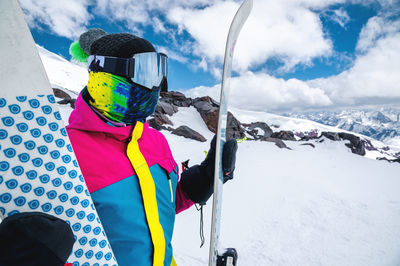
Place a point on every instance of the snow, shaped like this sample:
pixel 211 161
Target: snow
pixel 322 206
pixel 62 72
pixel 305 206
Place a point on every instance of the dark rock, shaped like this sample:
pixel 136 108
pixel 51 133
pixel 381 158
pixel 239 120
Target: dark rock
pixel 211 119
pixel 278 142
pixel 356 145
pixel 176 98
pixel 158 121
pixel 285 135
pixel 206 99
pixel 369 146
pixel 331 135
pixel 308 144
pixel 234 128
pixel 166 108
pixel 61 94
pixel 189 133
pixel 389 160
pixel 252 129
pixel 70 101
pixel 204 106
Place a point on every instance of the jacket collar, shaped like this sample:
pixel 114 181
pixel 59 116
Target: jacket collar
pixel 85 119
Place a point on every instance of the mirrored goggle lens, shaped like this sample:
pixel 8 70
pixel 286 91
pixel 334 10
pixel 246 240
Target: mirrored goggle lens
pixel 150 69
pixel 145 69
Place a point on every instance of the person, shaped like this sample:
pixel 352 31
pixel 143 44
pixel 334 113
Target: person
pixel 128 166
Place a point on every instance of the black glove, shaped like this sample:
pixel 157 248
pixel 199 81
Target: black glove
pixel 198 181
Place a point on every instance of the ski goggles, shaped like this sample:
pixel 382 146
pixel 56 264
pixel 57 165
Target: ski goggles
pixel 146 69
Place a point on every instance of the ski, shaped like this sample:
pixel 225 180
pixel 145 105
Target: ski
pixel 237 23
pixel 38 169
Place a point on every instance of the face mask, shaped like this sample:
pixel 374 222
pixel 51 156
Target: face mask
pixel 119 100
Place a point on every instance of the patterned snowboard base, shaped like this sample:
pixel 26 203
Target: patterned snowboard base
pixel 39 172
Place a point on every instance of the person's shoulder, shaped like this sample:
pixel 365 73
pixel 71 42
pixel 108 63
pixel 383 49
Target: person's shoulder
pixel 155 134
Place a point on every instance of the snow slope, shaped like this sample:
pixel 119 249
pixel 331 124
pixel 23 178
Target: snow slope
pixel 305 206
pixel 322 206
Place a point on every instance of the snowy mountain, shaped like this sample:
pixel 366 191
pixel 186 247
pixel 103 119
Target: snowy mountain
pixel 311 203
pixel 382 124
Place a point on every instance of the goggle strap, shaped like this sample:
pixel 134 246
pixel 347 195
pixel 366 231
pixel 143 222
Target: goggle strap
pixel 114 65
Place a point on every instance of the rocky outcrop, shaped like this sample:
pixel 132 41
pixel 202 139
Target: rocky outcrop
pixel 158 121
pixel 189 133
pixel 331 135
pixel 356 145
pixel 175 98
pixel 278 142
pixel 61 94
pixel 388 160
pixel 284 135
pixel 166 108
pixel 258 130
pixel 208 109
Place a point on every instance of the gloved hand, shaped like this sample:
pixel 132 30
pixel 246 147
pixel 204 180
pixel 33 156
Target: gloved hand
pixel 198 181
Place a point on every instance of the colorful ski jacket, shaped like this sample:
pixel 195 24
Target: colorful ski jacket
pixel 133 181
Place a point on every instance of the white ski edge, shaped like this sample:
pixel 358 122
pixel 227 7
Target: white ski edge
pixel 237 23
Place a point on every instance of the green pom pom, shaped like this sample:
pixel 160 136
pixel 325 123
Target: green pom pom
pixel 77 53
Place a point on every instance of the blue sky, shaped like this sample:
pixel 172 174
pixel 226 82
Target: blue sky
pixel 291 55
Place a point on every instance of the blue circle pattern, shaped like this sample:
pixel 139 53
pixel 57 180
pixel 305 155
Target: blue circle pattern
pixel 83 241
pixel 25 188
pixel 32 174
pixel 43 150
pixel 34 204
pixel 50 166
pixel 3 102
pixel 30 145
pixel 22 127
pixel 8 121
pixel 56 182
pixel 3 134
pixel 10 152
pixel 48 138
pixel 41 121
pixel 28 115
pixel 53 126
pixel 36 132
pixel 47 109
pixel 55 154
pixel 16 140
pixel 87 228
pixel 18 170
pixel 63 197
pixel 14 108
pixel 24 157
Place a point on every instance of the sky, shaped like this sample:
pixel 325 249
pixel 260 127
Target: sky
pixel 292 55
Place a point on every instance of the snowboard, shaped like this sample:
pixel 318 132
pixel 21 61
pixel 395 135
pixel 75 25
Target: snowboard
pixel 237 23
pixel 38 169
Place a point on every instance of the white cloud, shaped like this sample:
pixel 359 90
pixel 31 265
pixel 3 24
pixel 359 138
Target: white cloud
pixel 373 79
pixel 259 91
pixel 171 54
pixel 376 28
pixel 67 19
pixel 289 30
pixel 339 16
pixel 374 76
